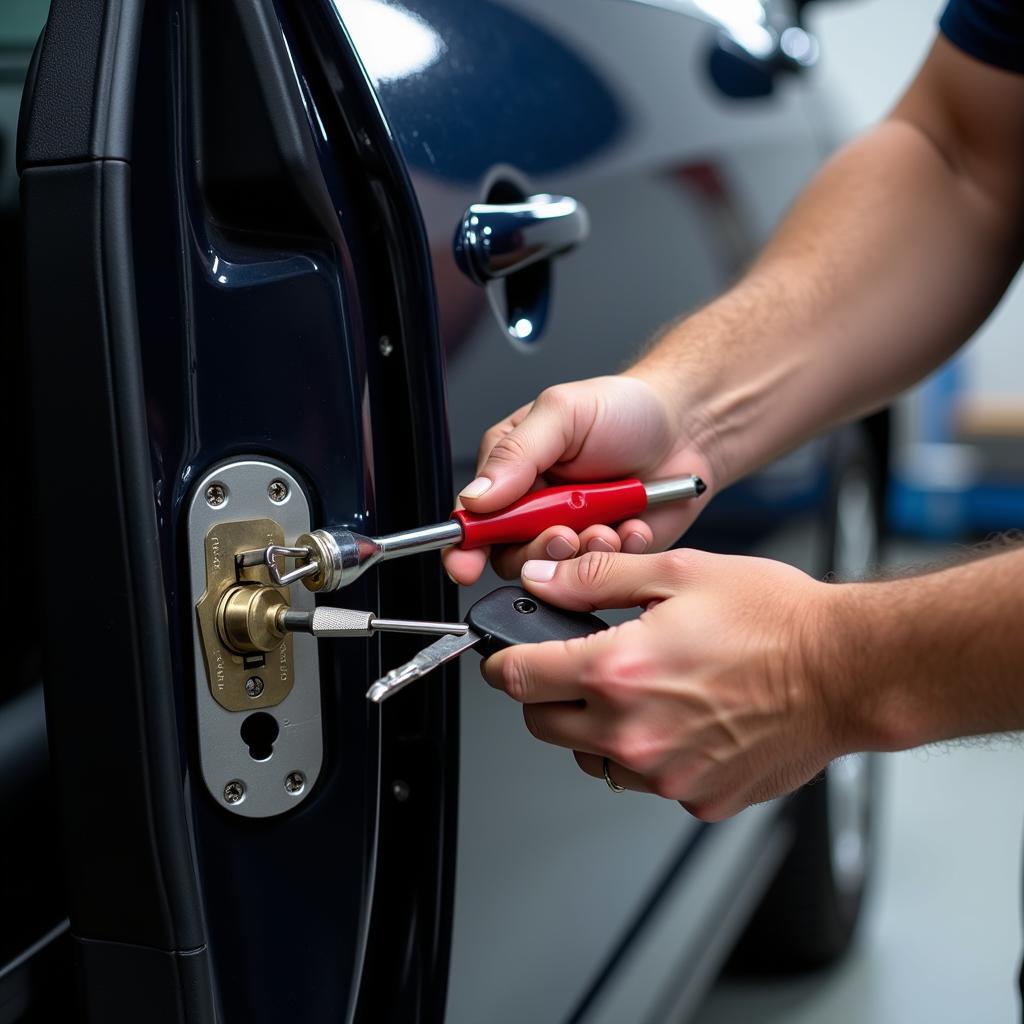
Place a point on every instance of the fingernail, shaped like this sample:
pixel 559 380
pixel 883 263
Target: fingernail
pixel 451 577
pixel 479 487
pixel 597 544
pixel 559 548
pixel 539 571
pixel 635 544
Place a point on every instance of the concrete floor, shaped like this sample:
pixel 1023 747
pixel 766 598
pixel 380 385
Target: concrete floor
pixel 941 938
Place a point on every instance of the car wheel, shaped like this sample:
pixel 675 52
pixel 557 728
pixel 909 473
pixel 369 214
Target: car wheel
pixel 808 916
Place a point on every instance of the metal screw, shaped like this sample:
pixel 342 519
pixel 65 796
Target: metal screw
pixel 295 782
pixel 216 494
pixel 524 605
pixel 234 791
pixel 400 790
pixel 254 686
pixel 278 491
pixel 386 346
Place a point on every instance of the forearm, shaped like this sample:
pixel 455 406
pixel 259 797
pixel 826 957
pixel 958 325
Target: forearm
pixel 890 259
pixel 926 658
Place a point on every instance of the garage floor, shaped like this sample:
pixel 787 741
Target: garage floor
pixel 942 937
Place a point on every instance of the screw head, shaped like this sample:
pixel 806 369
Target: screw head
pixel 386 345
pixel 254 686
pixel 278 491
pixel 400 790
pixel 295 782
pixel 216 495
pixel 234 792
pixel 524 605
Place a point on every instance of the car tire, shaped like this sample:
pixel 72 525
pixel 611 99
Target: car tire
pixel 808 917
pixel 809 914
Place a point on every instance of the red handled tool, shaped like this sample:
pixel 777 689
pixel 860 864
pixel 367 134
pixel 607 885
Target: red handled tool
pixel 332 558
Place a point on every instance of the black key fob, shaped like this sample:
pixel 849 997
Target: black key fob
pixel 509 615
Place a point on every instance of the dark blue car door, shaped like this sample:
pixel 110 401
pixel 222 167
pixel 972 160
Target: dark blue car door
pixel 230 325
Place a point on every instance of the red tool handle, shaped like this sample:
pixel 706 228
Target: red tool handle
pixel 574 505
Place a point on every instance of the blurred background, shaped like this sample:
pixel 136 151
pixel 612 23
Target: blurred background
pixel 941 937
pixel 957 460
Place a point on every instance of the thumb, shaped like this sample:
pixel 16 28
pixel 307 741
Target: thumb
pixel 603 579
pixel 517 456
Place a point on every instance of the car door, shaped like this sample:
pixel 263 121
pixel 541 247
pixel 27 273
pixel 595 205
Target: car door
pixel 230 339
pixel 684 146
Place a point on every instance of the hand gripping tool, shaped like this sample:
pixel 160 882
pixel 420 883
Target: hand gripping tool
pixel 329 559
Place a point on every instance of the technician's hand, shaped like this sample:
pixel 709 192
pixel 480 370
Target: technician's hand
pixel 591 430
pixel 716 696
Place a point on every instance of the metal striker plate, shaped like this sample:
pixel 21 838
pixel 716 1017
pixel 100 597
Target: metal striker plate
pixel 240 505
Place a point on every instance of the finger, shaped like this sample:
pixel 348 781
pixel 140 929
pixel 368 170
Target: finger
pixel 507 560
pixel 465 567
pixel 669 522
pixel 599 538
pixel 519 455
pixel 561 725
pixel 499 430
pixel 593 765
pixel 714 808
pixel 556 543
pixel 602 579
pixel 541 673
pixel 636 536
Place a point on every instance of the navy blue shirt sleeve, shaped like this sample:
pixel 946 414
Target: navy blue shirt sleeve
pixel 991 30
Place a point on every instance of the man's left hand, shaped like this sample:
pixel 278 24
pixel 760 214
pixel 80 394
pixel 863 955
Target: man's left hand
pixel 717 696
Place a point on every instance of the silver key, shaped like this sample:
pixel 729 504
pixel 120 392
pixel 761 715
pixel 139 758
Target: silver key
pixel 506 616
pixel 434 656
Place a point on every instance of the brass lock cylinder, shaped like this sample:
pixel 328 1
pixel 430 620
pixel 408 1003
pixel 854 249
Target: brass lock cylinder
pixel 249 618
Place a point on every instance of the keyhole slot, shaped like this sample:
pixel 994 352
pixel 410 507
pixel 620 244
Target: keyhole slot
pixel 259 731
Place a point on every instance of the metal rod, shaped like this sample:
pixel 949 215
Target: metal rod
pixel 426 538
pixel 673 490
pixel 340 622
pixel 296 622
pixel 414 626
pixel 246 559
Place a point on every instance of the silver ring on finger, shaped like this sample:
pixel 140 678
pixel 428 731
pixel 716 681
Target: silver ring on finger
pixel 612 784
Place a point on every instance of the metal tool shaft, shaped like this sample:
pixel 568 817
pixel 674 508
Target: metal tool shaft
pixel 426 538
pixel 674 490
pixel 340 622
pixel 417 626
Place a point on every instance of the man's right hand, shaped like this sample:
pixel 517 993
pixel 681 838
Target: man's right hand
pixel 592 430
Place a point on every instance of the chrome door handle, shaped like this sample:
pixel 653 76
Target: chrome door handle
pixel 497 239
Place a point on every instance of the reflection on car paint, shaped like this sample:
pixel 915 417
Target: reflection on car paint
pixel 496 84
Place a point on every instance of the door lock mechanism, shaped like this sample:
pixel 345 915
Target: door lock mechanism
pixel 237 619
pixel 248 618
pixel 257 689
